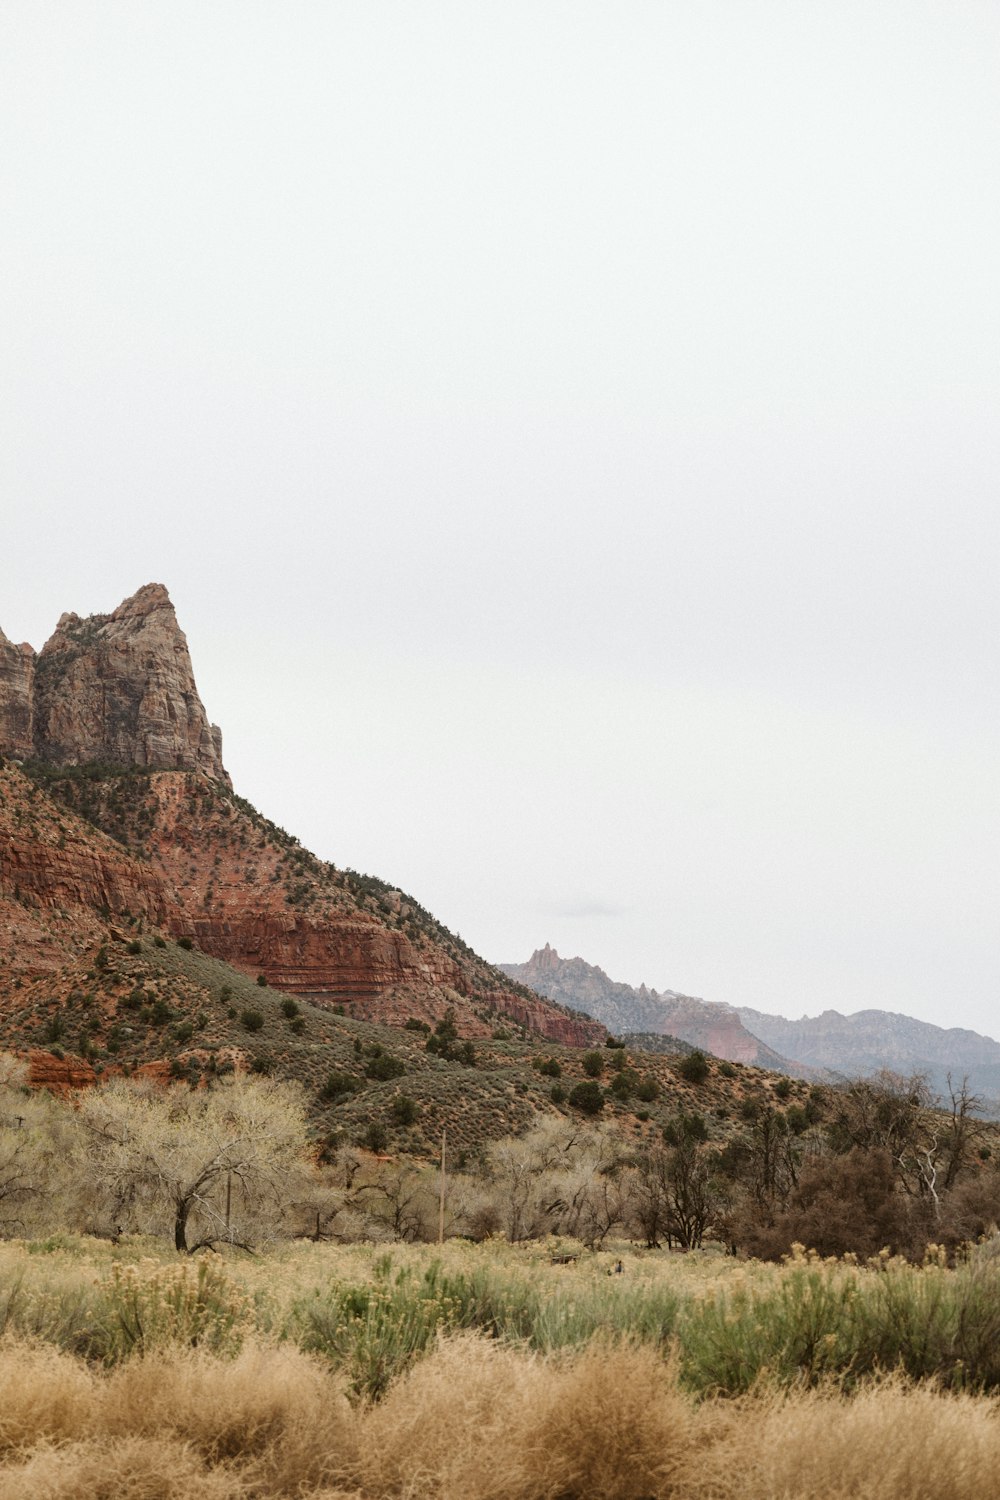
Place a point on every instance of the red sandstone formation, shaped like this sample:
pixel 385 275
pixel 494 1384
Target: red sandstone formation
pixel 188 857
pixel 60 1075
pixel 60 879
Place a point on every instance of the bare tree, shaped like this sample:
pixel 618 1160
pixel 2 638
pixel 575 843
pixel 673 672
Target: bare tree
pixel 691 1200
pixel 963 1132
pixel 399 1199
pixel 222 1161
pixel 35 1133
pixel 560 1177
pixel 650 1202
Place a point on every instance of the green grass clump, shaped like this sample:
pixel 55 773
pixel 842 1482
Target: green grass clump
pixel 729 1327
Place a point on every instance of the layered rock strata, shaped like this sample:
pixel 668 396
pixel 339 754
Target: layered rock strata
pixel 61 882
pixel 115 693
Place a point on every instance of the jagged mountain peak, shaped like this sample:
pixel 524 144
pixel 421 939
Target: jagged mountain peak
pixel 114 688
pixel 583 986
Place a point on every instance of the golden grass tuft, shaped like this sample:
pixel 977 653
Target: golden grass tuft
pixel 480 1421
pixel 281 1414
pixel 450 1426
pixel 44 1396
pixel 272 1419
pixel 135 1468
pixel 476 1419
pixel 613 1426
pixel 889 1441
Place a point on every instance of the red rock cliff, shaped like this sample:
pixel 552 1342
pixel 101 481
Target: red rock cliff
pixel 59 880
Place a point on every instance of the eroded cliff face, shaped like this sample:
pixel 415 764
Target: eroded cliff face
pixel 117 689
pixel 61 882
pixel 199 862
pixel 17 674
pixel 260 902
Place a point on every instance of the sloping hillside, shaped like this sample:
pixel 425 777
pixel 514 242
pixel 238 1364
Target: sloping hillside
pixel 118 806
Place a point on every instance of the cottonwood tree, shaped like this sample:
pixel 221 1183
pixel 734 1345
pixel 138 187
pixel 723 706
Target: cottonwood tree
pixel 842 1203
pixel 929 1147
pixel 589 1190
pixel 559 1177
pixel 963 1134
pixel 519 1193
pixel 650 1200
pixel 398 1200
pixel 35 1133
pixel 885 1112
pixel 326 1205
pixel 221 1163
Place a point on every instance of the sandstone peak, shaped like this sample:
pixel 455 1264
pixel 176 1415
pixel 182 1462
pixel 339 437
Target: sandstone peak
pixel 545 958
pixel 116 688
pixel 150 597
pixel 623 1009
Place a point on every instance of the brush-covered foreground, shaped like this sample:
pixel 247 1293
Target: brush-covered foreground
pixel 490 1371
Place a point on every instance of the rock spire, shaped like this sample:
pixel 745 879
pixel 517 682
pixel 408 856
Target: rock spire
pixel 115 688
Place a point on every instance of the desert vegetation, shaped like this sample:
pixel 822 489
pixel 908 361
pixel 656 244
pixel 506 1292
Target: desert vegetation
pixel 199 1297
pixel 354 1371
pixel 218 1157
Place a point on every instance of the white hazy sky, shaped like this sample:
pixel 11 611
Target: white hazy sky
pixel 569 434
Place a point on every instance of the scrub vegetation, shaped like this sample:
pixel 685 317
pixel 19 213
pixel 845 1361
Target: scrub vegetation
pixel 199 1296
pixel 328 1371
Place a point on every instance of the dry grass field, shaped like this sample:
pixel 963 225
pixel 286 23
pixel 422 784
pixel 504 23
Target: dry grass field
pixel 491 1373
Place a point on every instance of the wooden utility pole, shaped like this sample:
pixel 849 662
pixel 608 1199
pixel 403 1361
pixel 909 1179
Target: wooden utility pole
pixel 444 1134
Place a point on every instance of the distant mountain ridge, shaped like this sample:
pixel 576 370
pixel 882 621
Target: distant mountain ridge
pixel 873 1039
pixel 715 1027
pixel 811 1047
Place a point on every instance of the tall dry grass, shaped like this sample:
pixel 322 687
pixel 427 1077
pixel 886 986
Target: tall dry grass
pixel 480 1420
pixel 270 1421
pixel 487 1373
pixel 476 1419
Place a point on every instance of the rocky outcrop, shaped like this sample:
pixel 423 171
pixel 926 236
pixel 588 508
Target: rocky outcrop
pixel 116 689
pixel 556 1025
pixel 17 672
pixel 713 1027
pixel 64 1075
pixel 79 873
pixel 60 1075
pixel 342 958
pixel 249 895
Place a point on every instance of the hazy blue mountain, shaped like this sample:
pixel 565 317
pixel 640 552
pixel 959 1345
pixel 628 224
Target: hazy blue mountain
pixel 872 1039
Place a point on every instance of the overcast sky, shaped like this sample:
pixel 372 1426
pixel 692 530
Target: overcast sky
pixel 569 435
